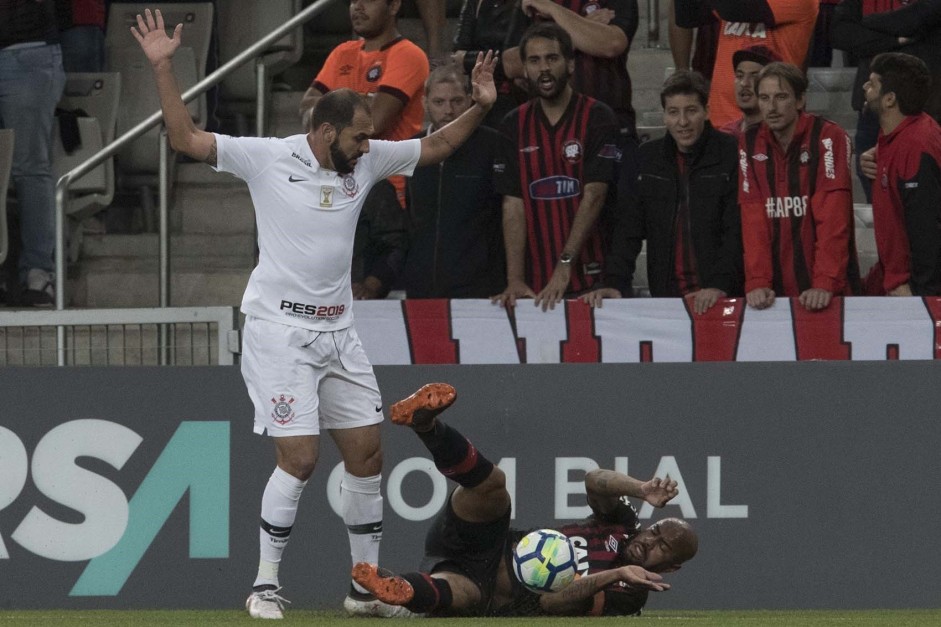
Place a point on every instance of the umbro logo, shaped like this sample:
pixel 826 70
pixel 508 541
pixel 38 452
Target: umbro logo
pixel 294 179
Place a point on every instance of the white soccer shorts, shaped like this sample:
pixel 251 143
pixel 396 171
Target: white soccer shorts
pixel 301 381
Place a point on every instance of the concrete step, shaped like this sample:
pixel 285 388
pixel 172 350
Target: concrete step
pixel 124 282
pixel 213 209
pixel 238 247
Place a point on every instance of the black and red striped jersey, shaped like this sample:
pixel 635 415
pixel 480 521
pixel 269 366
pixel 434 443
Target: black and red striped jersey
pixel 599 545
pixel 604 79
pixel 797 209
pixel 548 166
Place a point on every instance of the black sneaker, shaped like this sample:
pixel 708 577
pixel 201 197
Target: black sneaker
pixel 40 291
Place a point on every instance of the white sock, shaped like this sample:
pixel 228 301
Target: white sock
pixel 361 509
pixel 278 511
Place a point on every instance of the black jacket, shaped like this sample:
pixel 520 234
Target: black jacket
pixel 647 211
pixel 865 36
pixel 455 224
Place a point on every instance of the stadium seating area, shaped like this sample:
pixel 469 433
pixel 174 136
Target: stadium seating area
pixel 113 255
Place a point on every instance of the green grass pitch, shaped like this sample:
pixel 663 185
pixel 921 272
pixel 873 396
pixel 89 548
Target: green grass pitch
pixel 808 618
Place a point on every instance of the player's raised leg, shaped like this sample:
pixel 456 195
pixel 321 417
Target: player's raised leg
pixel 481 498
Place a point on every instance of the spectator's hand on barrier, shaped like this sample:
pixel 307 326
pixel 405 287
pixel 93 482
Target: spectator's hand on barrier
pixel 637 576
pixel 905 289
pixel 595 298
pixel 815 299
pixel 659 491
pixel 867 163
pixel 760 298
pixel 704 299
pixel 556 288
pixel 514 291
pixel 484 89
pixel 368 289
pixel 151 34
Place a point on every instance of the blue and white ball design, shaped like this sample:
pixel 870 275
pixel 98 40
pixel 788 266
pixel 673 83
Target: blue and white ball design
pixel 544 561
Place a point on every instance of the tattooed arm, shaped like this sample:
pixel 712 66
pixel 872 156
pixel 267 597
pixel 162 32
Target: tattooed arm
pixel 606 487
pixel 579 597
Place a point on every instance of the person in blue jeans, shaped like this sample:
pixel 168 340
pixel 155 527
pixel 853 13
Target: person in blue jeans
pixel 31 83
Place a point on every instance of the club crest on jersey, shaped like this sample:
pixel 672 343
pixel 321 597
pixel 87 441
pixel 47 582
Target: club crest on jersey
pixel 282 413
pixel 374 73
pixel 885 180
pixel 326 196
pixel 572 151
pixel 554 188
pixel 805 156
pixel 350 186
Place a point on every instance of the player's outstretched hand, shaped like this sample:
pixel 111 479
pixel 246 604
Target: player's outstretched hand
pixel 151 34
pixel 637 576
pixel 659 491
pixel 485 92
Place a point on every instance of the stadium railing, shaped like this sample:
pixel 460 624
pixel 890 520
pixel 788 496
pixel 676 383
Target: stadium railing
pixel 179 336
pixel 254 52
pixel 6 164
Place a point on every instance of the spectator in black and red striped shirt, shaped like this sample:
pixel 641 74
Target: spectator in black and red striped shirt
pixel 560 158
pixel 684 204
pixel 796 199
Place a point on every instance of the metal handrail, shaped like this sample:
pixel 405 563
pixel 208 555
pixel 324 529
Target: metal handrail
pixel 258 49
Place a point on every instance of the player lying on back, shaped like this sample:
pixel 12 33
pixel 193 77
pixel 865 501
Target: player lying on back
pixel 467 565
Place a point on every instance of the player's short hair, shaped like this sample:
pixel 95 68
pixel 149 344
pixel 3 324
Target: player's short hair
pixel 787 72
pixel 686 83
pixel 906 76
pixel 449 73
pixel 337 108
pixel 552 32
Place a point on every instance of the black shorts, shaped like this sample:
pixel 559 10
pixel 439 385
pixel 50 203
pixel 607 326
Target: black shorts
pixel 466 548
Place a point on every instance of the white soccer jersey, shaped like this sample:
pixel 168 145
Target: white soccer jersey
pixel 306 217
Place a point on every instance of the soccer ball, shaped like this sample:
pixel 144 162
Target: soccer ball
pixel 544 561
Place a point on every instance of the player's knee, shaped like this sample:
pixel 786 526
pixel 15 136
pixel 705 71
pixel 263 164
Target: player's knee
pixel 495 486
pixel 298 464
pixel 365 464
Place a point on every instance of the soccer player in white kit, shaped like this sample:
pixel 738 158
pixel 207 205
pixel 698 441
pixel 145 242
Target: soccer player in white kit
pixel 302 361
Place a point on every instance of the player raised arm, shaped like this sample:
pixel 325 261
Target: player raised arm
pixel 606 487
pixel 440 144
pixel 151 34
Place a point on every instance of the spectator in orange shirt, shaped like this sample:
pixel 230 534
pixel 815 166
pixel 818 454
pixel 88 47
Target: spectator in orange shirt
pixel 785 26
pixel 384 66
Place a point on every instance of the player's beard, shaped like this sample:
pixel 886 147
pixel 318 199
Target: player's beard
pixel 341 163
